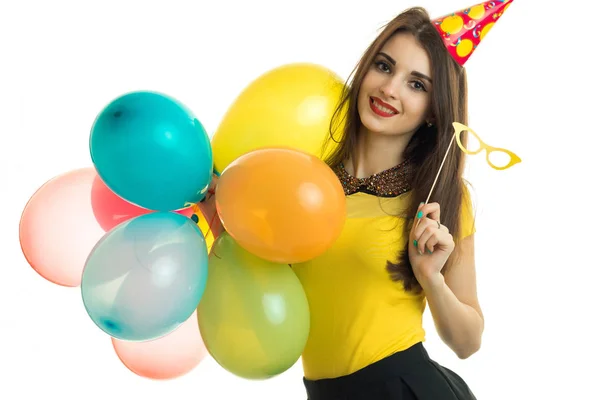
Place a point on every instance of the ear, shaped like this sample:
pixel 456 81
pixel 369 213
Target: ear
pixel 430 122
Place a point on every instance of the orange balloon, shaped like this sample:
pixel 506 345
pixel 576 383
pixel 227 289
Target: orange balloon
pixel 168 357
pixel 281 204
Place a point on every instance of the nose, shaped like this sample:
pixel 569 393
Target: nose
pixel 390 89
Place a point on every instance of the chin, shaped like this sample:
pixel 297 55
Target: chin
pixel 379 132
pixel 375 126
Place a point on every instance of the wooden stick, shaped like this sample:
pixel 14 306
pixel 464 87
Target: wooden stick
pixel 439 170
pixel 437 175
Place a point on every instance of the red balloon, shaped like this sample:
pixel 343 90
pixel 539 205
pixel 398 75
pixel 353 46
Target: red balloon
pixel 168 357
pixel 110 209
pixel 58 228
pixel 65 218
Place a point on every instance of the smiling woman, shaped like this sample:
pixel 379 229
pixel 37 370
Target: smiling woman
pixel 367 292
pixel 400 74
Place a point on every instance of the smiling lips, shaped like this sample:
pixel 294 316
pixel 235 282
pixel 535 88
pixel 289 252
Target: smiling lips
pixel 381 108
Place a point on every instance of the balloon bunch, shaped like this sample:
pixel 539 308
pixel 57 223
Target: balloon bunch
pixel 129 231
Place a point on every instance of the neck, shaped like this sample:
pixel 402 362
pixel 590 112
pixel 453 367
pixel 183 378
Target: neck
pixel 376 153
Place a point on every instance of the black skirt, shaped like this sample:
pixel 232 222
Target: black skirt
pixel 406 375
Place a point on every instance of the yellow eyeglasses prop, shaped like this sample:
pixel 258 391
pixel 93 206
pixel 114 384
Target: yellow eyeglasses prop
pixel 512 157
pixel 480 145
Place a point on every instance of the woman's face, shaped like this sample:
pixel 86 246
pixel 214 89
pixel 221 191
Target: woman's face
pixel 395 94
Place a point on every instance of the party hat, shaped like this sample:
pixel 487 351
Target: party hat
pixel 463 30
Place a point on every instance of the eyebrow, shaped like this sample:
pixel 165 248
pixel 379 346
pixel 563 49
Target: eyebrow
pixel 393 62
pixel 420 75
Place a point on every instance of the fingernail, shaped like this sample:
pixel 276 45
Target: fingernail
pixel 422 203
pixel 415 243
pixel 420 214
pixel 429 251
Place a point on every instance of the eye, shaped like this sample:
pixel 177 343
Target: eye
pixel 382 66
pixel 418 85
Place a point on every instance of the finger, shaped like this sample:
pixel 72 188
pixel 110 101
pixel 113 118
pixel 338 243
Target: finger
pixel 431 211
pixel 417 220
pixel 440 240
pixel 424 223
pixel 438 225
pixel 210 191
pixel 429 245
pixel 429 234
pixel 214 180
pixel 206 196
pixel 213 183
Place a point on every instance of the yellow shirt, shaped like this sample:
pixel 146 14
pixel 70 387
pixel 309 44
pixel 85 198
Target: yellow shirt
pixel 358 314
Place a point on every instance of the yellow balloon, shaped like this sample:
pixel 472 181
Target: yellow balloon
pixel 289 106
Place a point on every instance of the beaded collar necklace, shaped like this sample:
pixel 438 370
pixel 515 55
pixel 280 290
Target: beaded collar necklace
pixel 389 183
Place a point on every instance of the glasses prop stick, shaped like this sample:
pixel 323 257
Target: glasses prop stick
pixel 458 128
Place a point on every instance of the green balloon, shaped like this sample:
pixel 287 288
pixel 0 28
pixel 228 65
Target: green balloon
pixel 253 316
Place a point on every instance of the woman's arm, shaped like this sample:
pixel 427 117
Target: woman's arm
pixel 454 304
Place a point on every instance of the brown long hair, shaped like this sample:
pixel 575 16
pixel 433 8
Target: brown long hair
pixel 429 144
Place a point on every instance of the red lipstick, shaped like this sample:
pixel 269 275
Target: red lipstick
pixel 375 104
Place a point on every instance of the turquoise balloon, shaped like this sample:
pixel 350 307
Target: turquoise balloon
pixel 145 277
pixel 152 151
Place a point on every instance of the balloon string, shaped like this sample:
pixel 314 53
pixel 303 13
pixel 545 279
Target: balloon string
pixel 212 220
pixel 210 225
pixel 196 209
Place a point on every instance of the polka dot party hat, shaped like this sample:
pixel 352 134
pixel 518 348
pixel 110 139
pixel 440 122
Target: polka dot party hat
pixel 463 30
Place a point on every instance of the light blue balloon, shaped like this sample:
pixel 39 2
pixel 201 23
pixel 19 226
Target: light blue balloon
pixel 152 151
pixel 146 277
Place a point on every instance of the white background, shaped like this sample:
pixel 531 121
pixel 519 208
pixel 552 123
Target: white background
pixel 533 89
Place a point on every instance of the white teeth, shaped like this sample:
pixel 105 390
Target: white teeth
pixel 382 108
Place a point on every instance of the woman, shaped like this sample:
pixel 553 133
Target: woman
pixel 367 293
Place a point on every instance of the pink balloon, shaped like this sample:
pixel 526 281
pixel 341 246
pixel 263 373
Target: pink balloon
pixel 110 209
pixel 65 218
pixel 58 228
pixel 168 357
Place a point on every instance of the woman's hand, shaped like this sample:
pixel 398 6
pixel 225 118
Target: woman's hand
pixel 430 245
pixel 209 208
